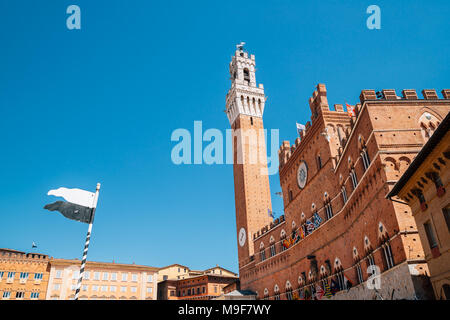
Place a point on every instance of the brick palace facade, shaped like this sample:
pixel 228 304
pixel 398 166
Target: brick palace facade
pixel 338 229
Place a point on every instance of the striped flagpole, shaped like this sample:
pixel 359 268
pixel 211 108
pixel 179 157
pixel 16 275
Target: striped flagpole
pixel 86 245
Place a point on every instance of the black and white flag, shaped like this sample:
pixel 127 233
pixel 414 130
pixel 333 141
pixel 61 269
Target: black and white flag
pixel 79 205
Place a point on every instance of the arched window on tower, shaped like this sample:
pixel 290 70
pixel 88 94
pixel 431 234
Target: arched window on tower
pixel 246 75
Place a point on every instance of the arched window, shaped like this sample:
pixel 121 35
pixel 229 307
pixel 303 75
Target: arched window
pixel 353 178
pixel 319 162
pixel 273 250
pixel 328 206
pixel 301 281
pixel 344 194
pixel 262 251
pixel 288 290
pixel 266 294
pixel 246 75
pixel 339 274
pixel 357 265
pixel 365 158
pixel 282 238
pixel 388 258
pixel 276 291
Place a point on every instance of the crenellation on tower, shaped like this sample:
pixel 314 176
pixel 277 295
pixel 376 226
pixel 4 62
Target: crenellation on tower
pixel 284 152
pixel 318 102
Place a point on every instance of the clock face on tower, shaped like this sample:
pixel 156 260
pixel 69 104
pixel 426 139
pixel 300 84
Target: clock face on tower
pixel 302 174
pixel 242 237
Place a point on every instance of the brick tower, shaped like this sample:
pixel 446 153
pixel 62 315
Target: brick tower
pixel 244 108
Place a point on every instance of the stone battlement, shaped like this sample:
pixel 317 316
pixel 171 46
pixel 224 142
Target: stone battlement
pixel 407 94
pixel 269 227
pixel 22 256
pixel 318 104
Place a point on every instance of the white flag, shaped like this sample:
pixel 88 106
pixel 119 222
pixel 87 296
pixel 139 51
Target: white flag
pixel 77 196
pixel 300 126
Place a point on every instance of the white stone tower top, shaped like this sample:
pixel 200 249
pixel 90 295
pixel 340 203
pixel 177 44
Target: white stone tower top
pixel 244 96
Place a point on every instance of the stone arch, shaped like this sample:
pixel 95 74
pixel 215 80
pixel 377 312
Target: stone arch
pixel 294 225
pixel 271 240
pixel 282 234
pixel 391 163
pixel 403 163
pixel 261 245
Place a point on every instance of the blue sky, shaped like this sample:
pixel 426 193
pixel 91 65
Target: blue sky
pixel 99 105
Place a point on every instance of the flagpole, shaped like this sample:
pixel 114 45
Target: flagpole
pixel 86 245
